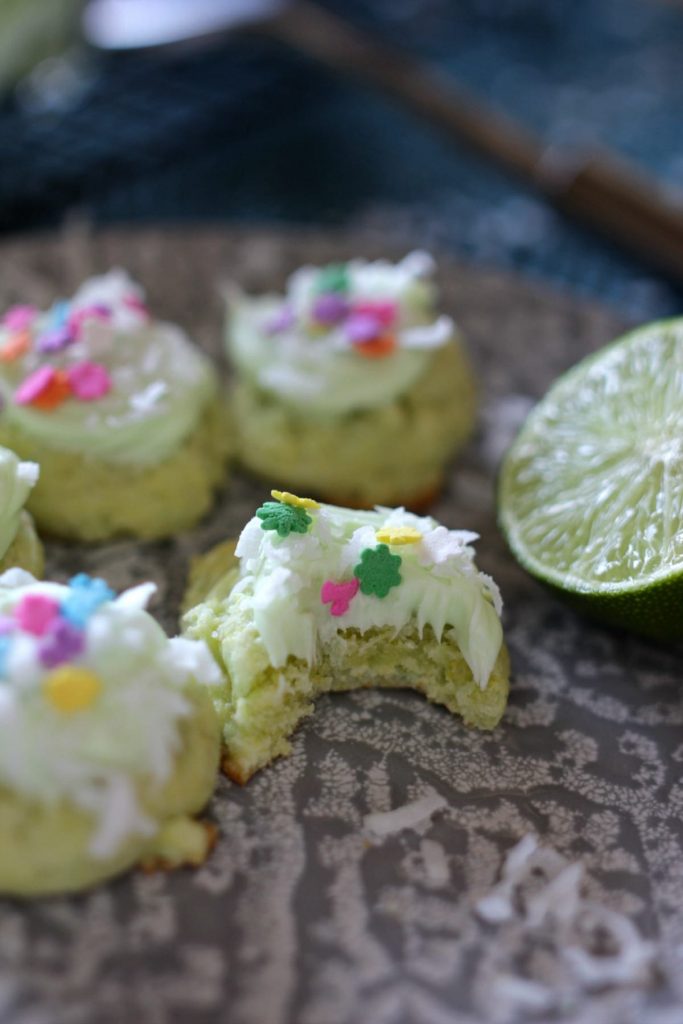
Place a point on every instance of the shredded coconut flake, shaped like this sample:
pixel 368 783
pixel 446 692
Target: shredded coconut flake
pixel 96 760
pixel 435 863
pixel 538 907
pixel 384 823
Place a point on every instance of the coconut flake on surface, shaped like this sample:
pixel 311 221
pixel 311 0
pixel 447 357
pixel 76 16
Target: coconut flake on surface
pixel 541 916
pixel 384 823
pixel 435 863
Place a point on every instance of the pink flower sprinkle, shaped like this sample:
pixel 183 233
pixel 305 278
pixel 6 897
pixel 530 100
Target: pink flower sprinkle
pixel 89 381
pixel 18 318
pixel 339 595
pixel 384 312
pixel 136 303
pixel 79 316
pixel 35 385
pixel 35 613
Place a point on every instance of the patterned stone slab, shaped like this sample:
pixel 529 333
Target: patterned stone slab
pixel 299 917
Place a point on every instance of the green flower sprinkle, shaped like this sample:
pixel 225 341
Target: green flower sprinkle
pixel 378 570
pixel 285 519
pixel 333 278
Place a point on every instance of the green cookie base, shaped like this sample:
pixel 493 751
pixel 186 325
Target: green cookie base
pixel 25 551
pixel 258 721
pixel 87 499
pixel 391 455
pixel 44 850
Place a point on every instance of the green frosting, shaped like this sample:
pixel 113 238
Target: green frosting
pixel 430 582
pixel 318 369
pixel 16 480
pixel 161 383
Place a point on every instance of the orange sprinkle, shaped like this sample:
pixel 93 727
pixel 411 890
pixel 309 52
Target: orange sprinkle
pixel 377 348
pixel 57 391
pixel 16 345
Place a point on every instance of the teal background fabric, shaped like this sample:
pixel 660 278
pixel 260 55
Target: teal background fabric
pixel 246 131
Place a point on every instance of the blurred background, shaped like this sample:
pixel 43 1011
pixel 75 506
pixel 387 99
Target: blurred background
pixel 236 127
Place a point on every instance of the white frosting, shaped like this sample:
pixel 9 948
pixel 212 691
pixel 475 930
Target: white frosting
pixel 318 368
pixel 17 479
pixel 440 585
pixel 95 757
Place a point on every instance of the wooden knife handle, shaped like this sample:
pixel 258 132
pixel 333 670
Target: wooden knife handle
pixel 599 189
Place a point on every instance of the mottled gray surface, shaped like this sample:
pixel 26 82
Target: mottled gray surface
pixel 299 918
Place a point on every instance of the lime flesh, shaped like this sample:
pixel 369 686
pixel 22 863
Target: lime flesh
pixel 591 492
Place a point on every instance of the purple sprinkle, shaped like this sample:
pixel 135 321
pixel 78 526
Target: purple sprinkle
pixel 363 327
pixel 7 625
pixel 63 644
pixel 55 340
pixel 330 308
pixel 280 321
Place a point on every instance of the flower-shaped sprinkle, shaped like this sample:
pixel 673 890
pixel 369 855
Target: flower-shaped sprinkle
pixel 63 643
pixel 59 314
pixel 45 388
pixel 376 348
pixel 339 595
pixel 135 303
pixel 17 345
pixel 384 312
pixel 5 647
pixel 71 688
pixel 35 613
pixel 291 499
pixel 284 519
pixel 56 339
pixel 333 278
pixel 368 325
pixel 329 309
pixel 97 311
pixel 398 535
pixel 18 318
pixel 378 571
pixel 89 381
pixel 362 327
pixel 85 597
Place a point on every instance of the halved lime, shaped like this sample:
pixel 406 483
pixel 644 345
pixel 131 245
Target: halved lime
pixel 591 492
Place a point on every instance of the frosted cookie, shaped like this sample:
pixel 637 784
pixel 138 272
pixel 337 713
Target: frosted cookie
pixel 122 412
pixel 351 386
pixel 315 598
pixel 109 741
pixel 19 543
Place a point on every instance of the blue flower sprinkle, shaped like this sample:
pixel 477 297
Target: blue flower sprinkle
pixel 5 645
pixel 86 595
pixel 59 314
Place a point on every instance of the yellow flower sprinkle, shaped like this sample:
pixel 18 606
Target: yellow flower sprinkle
pixel 70 688
pixel 398 535
pixel 291 499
